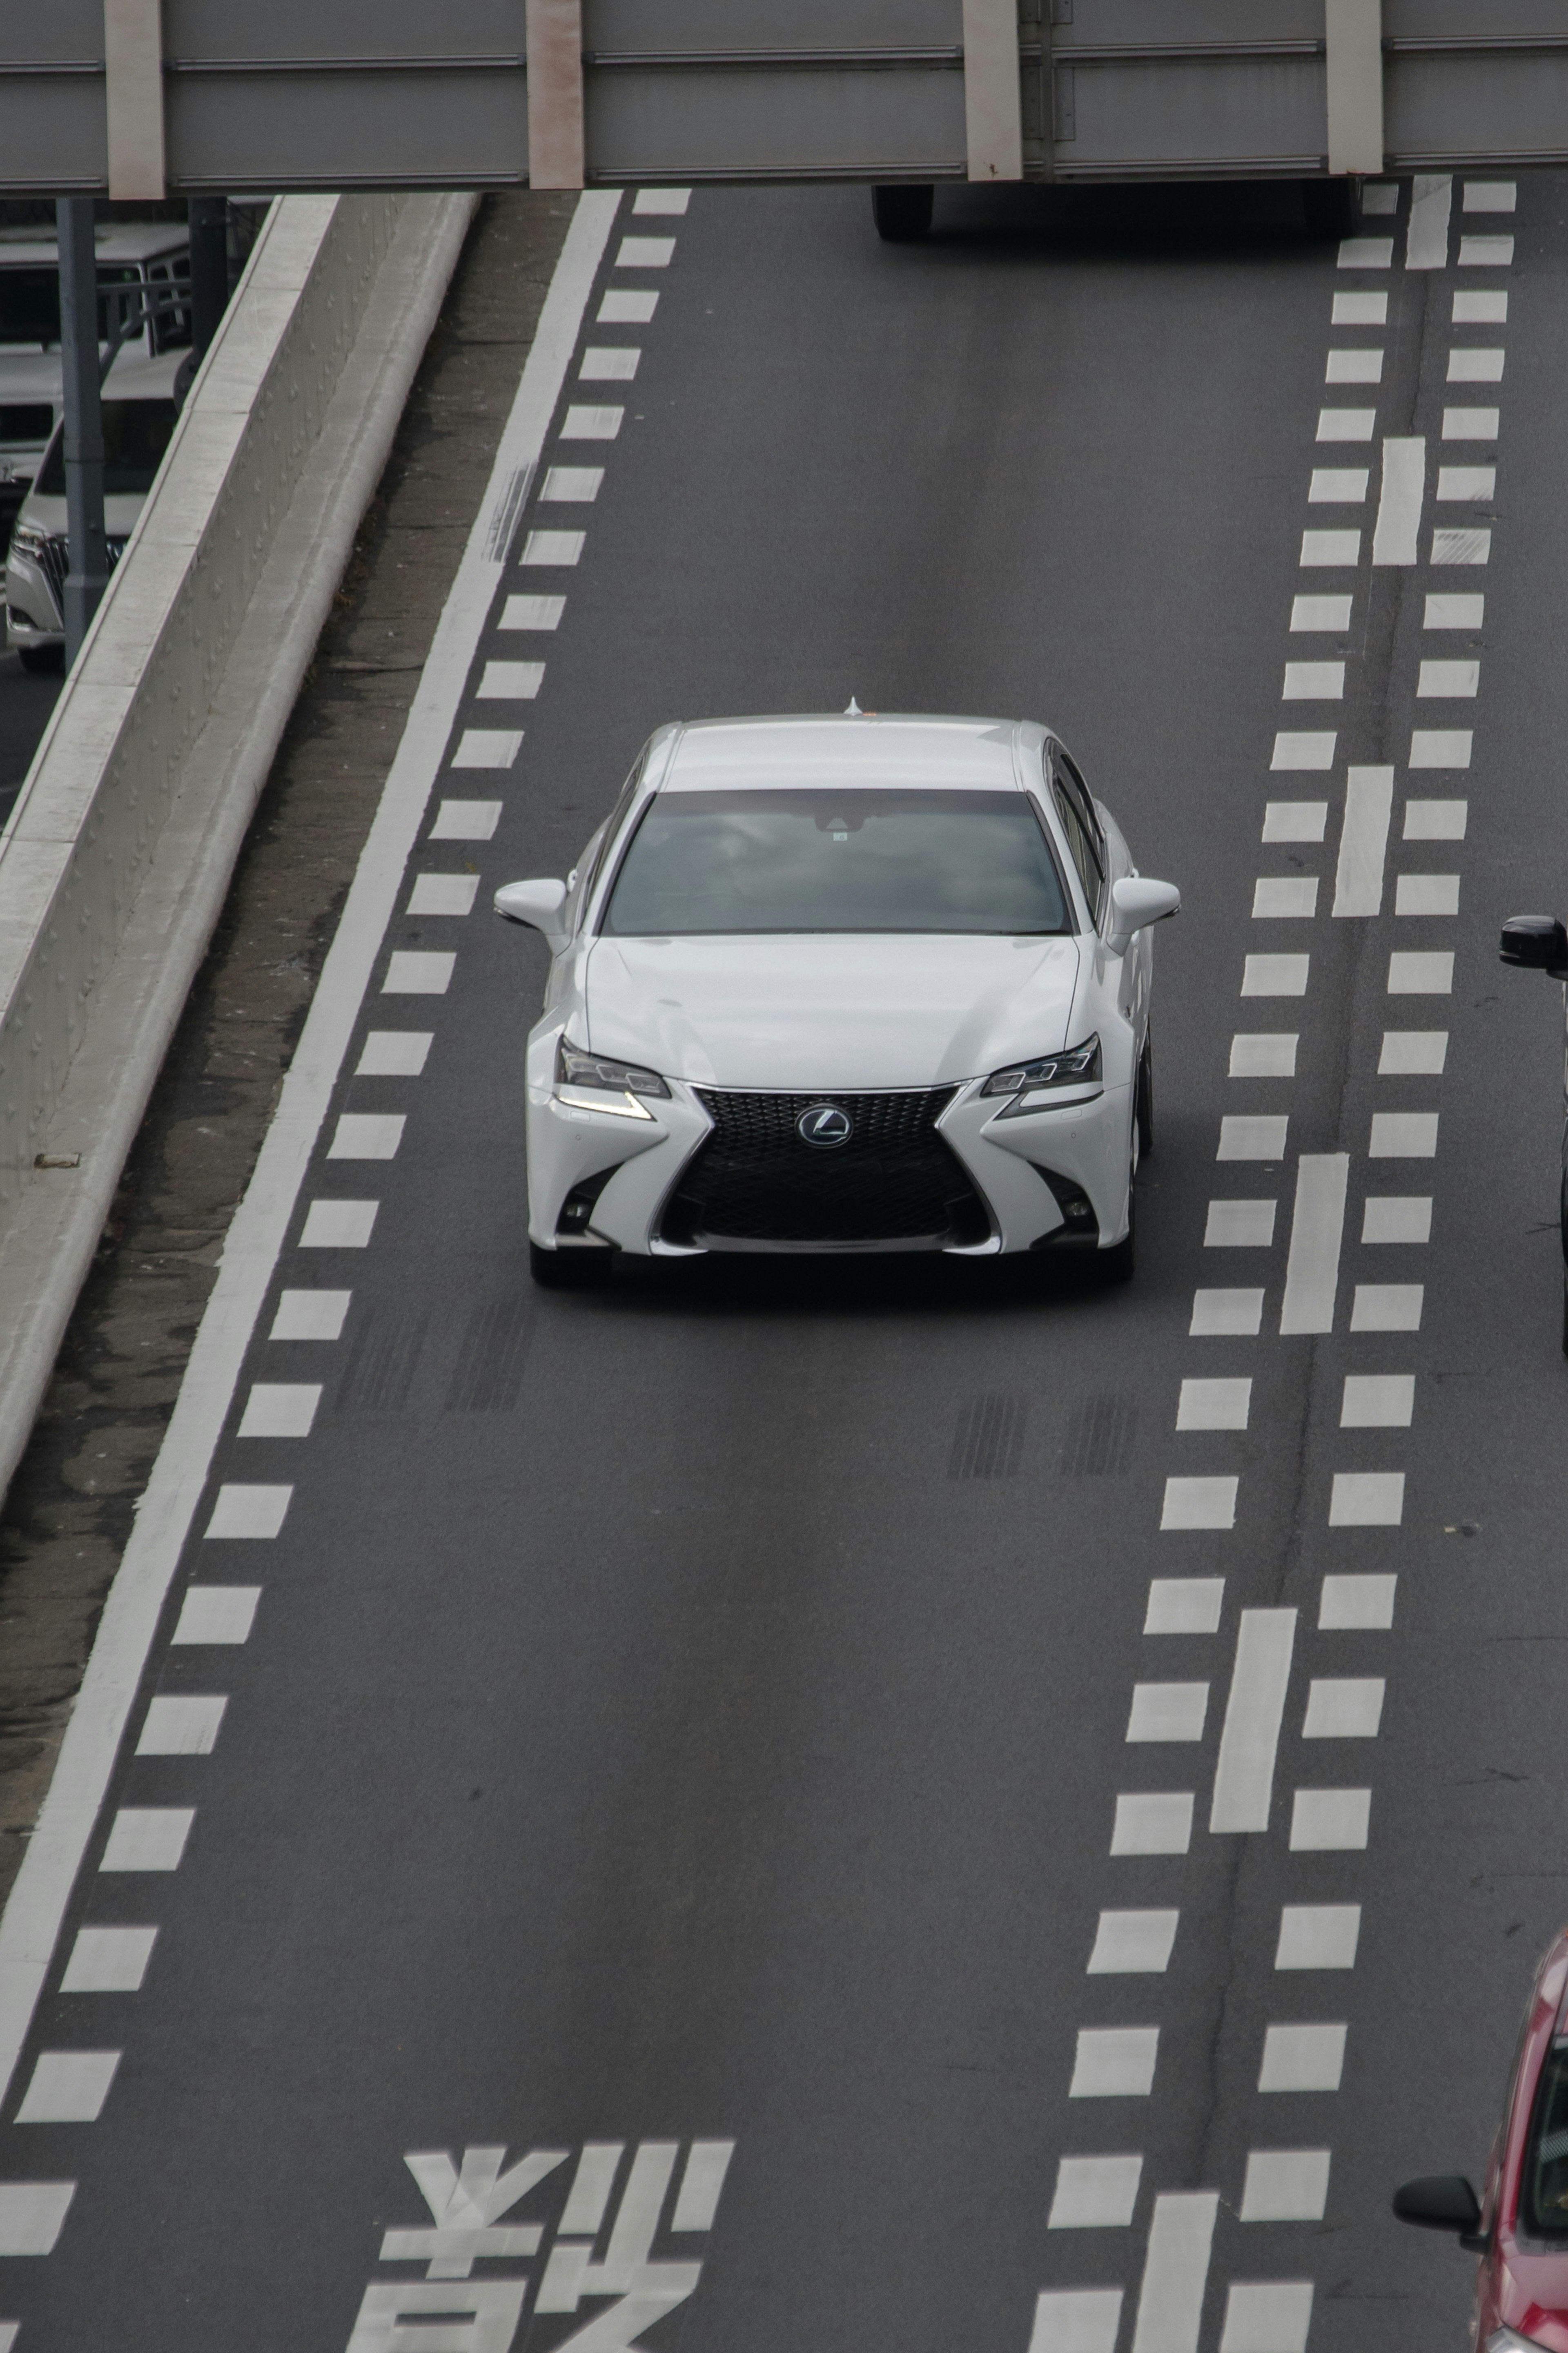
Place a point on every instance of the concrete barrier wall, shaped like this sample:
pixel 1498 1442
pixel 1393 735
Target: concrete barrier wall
pixel 115 862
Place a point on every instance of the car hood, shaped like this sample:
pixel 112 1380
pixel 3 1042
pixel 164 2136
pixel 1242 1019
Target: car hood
pixel 829 1010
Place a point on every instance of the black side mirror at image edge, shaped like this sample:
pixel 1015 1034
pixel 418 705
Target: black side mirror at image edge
pixel 1443 2201
pixel 1537 944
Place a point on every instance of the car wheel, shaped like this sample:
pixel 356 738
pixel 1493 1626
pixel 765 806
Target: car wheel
pixel 1146 1098
pixel 902 213
pixel 567 1269
pixel 42 660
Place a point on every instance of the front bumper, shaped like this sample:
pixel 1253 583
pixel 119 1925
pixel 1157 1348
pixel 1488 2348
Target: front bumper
pixel 605 1180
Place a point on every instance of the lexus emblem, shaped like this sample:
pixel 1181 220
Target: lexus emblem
pixel 824 1124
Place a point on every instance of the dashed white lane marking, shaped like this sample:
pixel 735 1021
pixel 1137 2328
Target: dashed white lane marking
pixel 1133 1945
pixel 1366 253
pixel 1337 486
pixel 1268 2316
pixel 610 363
pixel 466 821
pixel 1464 482
pixel 645 253
pixel 1347 1707
pixel 1386 1307
pixel 337 1225
pixel 1175 2272
pixel 1490 195
pixel 1468 366
pixel 1452 681
pixel 1275 976
pixel 1358 367
pixel 32 2216
pixel 1294 749
pixel 553 549
pixel 1114 2062
pixel 1435 820
pixel 1244 1774
pixel 148 1838
pixel 1346 424
pixel 109 1960
pixel 1095 2193
pixel 418 972
pixel 1317 1229
pixel 1295 821
pixel 1329 1821
pixel 280 1410
pixel 1074 2320
pixel 1263 1054
pixel 1440 747
pixel 1485 252
pixel 1302 2059
pixel 1213 1405
pixel 1252 1135
pixel 310 1316
pixel 1284 896
pixel 366 1135
pixel 216 1614
pixel 592 423
pixel 1472 545
pixel 1427 972
pixel 68 2087
pixel 572 486
pixel 1426 895
pixel 1363 841
pixel 1199 1503
pixel 1403 487
pixel 626 306
pixel 531 612
pixel 1240 1225
pixel 443 895
pixel 1285 2185
pixel 1314 681
pixel 1168 1711
pixel 181 1724
pixel 1454 612
pixel 488 747
pixel 1392 1219
pixel 1404 1135
pixel 254 1513
pixel 510 682
pixel 661 200
pixel 1471 424
pixel 1426 233
pixel 1357 1605
pixel 1413 1053
pixel 1367 1499
pixel 1185 1605
pixel 1330 550
pixel 1318 1936
pixel 1153 1822
pixel 1225 1314
pixel 1370 309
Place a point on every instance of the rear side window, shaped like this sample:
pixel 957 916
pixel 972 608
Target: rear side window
pixel 1543 2188
pixel 1081 827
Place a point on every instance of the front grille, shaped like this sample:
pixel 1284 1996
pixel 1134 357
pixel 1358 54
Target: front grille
pixel 756 1185
pixel 53 562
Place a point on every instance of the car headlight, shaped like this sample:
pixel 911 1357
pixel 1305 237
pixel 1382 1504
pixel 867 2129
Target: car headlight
pixel 28 540
pixel 591 1082
pixel 1509 2340
pixel 1079 1066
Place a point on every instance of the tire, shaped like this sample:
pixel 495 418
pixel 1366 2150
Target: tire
pixel 902 213
pixel 568 1270
pixel 1117 1263
pixel 1145 1099
pixel 1333 206
pixel 42 660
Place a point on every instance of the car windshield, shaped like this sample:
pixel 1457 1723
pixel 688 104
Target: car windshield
pixel 1543 2189
pixel 30 302
pixel 135 435
pixel 822 860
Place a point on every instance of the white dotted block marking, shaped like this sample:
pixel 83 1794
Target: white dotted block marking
pixel 1449 681
pixel 545 548
pixel 1435 820
pixel 1294 750
pixel 1348 1707
pixel 494 747
pixel 1254 1136
pixel 1263 1054
pixel 1421 974
pixel 1485 252
pixel 661 200
pixel 1366 253
pixel 528 613
pixel 1114 2062
pixel 1160 1822
pixel 1358 367
pixel 1329 1821
pixel 254 1511
pixel 1302 2059
pixel 1440 747
pixel 1095 2193
pixel 337 1225
pixel 1314 681
pixel 1472 366
pixel 1369 309
pixel 1426 895
pixel 1240 1225
pixel 1295 820
pixel 1268 2316
pixel 280 1410
pixel 645 253
pixel 1275 976
pixel 1466 483
pixel 1185 1605
pixel 216 1613
pixel 1075 2320
pixel 610 363
pixel 626 306
pixel 1337 425
pixel 1378 1401
pixel 443 895
pixel 1469 423
pixel 1358 1605
pixel 1225 1314
pixel 1391 1218
pixel 1332 486
pixel 590 424
pixel 1134 1943
pixel 1404 1135
pixel 1472 545
pixel 417 972
pixel 570 486
pixel 32 2214
pixel 310 1316
pixel 1284 897
pixel 1386 1307
pixel 1199 1503
pixel 1367 1499
pixel 180 1725
pixel 1168 1711
pixel 1285 2185
pixel 1454 612
pixel 1318 1936
pixel 1490 195
pixel 510 682
pixel 68 2087
pixel 1330 551
pixel 109 1960
pixel 1213 1405
pixel 1412 1054
pixel 366 1135
pixel 148 1838
pixel 401 1053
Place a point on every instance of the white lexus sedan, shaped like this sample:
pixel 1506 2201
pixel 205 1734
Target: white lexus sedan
pixel 837 985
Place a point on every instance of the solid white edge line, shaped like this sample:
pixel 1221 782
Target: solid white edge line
pixel 30 1927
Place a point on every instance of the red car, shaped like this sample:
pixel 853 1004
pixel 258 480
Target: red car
pixel 1519 2228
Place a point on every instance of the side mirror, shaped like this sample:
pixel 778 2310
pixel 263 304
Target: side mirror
pixel 538 905
pixel 1135 904
pixel 1443 2201
pixel 1538 943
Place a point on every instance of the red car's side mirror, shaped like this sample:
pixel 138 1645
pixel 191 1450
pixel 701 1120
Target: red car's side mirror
pixel 1443 2202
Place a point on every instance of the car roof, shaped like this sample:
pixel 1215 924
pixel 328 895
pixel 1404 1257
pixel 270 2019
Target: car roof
pixel 835 750
pixel 114 242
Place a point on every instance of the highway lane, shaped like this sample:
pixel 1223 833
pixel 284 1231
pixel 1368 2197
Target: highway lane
pixel 668 1714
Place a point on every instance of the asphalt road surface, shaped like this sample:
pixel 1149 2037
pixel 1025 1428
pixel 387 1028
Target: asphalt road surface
pixel 1068 1782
